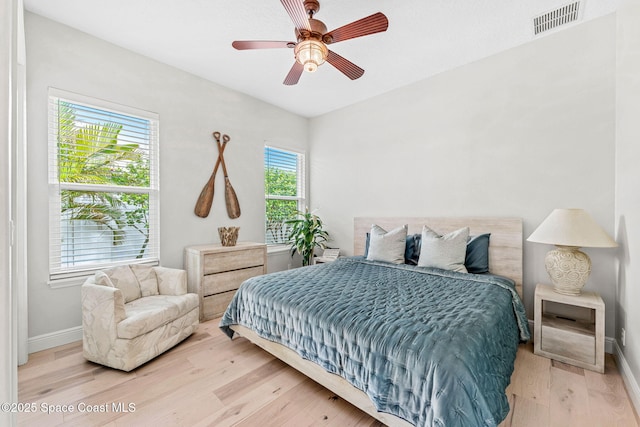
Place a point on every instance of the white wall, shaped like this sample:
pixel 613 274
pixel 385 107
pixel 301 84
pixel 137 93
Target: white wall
pixel 190 109
pixel 282 260
pixel 627 194
pixel 516 134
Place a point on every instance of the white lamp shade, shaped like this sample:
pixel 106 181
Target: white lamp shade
pixel 571 227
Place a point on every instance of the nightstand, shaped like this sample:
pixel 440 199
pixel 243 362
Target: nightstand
pixel 569 328
pixel 328 255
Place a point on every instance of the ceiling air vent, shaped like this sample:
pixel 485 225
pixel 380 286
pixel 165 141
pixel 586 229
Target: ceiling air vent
pixel 555 18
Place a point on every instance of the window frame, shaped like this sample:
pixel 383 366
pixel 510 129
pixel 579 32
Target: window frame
pixel 301 184
pixel 60 274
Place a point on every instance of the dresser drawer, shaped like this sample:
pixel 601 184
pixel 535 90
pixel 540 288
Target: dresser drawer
pixel 215 305
pixel 569 344
pixel 225 261
pixel 229 280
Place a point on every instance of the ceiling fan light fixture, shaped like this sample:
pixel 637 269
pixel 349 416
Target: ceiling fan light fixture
pixel 311 54
pixel 310 48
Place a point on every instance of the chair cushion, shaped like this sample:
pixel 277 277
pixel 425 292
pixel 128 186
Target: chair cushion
pixel 149 313
pixel 171 281
pixel 147 279
pixel 123 278
pixel 102 279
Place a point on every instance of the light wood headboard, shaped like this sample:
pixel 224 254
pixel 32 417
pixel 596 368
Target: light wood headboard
pixel 505 247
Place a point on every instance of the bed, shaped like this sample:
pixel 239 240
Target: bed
pixel 409 345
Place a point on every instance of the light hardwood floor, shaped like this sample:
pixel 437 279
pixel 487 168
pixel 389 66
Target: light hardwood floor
pixel 209 380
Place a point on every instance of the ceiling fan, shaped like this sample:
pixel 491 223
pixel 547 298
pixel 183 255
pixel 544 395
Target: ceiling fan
pixel 311 50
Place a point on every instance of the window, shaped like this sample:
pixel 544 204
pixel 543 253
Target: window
pixel 103 185
pixel 284 191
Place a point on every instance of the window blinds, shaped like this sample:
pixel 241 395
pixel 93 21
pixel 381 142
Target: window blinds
pixel 103 185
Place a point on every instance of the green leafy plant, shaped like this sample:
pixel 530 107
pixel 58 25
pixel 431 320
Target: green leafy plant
pixel 92 154
pixel 280 182
pixel 305 233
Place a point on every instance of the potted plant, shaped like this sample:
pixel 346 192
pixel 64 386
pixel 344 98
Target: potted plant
pixel 305 234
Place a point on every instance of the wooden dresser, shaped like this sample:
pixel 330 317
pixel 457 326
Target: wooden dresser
pixel 215 272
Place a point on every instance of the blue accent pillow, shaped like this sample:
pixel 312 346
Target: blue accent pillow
pixel 477 257
pixel 412 250
pixel 366 246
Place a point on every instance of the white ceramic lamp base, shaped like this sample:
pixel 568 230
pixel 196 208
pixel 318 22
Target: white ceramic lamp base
pixel 569 269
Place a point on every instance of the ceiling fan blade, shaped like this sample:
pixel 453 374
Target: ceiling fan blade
pixel 297 13
pixel 345 66
pixel 375 23
pixel 260 44
pixel 294 74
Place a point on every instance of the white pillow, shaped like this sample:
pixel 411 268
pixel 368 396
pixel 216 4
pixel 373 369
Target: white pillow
pixel 123 278
pixel 147 279
pixel 446 252
pixel 387 246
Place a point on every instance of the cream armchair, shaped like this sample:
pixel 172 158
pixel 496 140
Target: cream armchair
pixel 133 313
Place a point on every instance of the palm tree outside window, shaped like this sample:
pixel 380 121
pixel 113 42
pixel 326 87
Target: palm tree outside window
pixel 103 176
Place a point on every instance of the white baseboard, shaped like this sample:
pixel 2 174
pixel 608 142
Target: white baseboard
pixel 54 339
pixel 625 371
pixel 609 345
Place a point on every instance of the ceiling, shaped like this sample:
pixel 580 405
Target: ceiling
pixel 424 38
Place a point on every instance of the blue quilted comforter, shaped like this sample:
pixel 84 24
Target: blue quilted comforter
pixel 433 347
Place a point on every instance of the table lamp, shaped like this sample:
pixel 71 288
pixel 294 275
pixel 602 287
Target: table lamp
pixel 569 230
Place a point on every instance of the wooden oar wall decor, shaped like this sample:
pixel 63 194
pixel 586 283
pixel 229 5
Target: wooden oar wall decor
pixel 205 200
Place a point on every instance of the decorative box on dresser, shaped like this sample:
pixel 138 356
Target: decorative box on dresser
pixel 569 328
pixel 215 272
